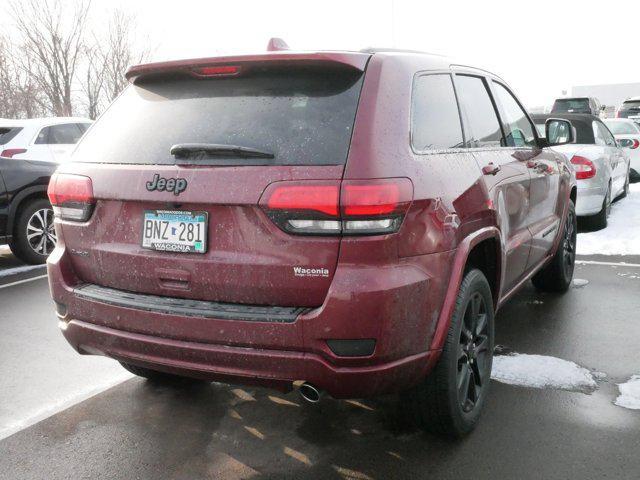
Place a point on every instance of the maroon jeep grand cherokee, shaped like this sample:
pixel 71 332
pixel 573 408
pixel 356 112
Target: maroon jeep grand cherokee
pixel 331 221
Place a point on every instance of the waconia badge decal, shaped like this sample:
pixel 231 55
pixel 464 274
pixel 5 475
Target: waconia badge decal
pixel 311 272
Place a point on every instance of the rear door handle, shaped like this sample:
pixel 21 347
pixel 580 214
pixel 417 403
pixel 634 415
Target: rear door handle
pixel 490 169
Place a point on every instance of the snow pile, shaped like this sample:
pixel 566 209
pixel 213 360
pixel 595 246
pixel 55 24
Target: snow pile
pixel 629 393
pixel 539 371
pixel 622 233
pixel 580 282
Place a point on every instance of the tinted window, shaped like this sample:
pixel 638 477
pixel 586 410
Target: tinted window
pixel 482 128
pixel 8 133
pixel 623 128
pixel 303 116
pixel 635 104
pixel 571 105
pixel 518 129
pixel 435 117
pixel 66 133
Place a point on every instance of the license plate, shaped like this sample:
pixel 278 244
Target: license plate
pixel 175 231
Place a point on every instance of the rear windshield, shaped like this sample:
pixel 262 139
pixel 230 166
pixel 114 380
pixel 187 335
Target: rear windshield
pixel 8 133
pixel 635 104
pixel 622 128
pixel 303 116
pixel 571 105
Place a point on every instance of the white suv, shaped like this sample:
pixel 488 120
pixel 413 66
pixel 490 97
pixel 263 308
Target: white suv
pixel 46 139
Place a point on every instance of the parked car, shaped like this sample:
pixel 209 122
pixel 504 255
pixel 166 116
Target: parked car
pixel 590 105
pixel 628 132
pixel 327 221
pixel 26 217
pixel 602 167
pixel 630 109
pixel 44 139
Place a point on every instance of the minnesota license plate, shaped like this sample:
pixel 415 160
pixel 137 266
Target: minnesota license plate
pixel 175 231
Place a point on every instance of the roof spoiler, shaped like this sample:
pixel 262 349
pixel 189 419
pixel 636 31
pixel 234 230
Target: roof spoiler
pixel 280 55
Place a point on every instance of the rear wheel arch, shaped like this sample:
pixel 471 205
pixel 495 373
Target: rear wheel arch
pixel 470 254
pixel 21 199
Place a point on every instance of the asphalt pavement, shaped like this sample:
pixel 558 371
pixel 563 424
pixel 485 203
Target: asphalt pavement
pixel 68 424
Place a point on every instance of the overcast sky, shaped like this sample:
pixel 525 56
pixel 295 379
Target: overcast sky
pixel 540 48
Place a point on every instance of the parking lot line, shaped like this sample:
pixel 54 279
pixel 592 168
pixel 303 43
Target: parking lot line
pixel 21 281
pixel 611 264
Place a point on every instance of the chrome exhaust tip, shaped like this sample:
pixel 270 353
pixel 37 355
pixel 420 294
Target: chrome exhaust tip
pixel 309 393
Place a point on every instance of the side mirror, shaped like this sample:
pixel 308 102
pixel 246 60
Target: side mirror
pixel 625 143
pixel 558 132
pixel 603 107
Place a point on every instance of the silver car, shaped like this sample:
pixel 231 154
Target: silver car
pixel 628 131
pixel 601 166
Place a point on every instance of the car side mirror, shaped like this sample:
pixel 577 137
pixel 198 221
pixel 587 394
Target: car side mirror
pixel 558 132
pixel 625 143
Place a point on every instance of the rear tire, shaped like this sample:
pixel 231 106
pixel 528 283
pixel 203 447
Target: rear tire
pixel 28 244
pixel 158 377
pixel 449 401
pixel 556 276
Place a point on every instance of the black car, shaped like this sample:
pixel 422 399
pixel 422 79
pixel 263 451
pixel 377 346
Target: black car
pixel 589 105
pixel 630 109
pixel 26 216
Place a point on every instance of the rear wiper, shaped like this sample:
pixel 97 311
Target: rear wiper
pixel 207 150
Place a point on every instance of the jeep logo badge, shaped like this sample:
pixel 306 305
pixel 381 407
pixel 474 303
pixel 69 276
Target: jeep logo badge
pixel 175 185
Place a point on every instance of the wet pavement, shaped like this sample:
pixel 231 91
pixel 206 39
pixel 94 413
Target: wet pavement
pixel 138 429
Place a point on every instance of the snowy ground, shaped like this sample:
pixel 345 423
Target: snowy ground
pixel 622 235
pixel 629 393
pixel 539 371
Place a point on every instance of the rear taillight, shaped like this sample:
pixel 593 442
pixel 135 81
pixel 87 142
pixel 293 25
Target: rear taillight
pixel 71 196
pixel 10 152
pixel 370 207
pixel 583 167
pixel 636 144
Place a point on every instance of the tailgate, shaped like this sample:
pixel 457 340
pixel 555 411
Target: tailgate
pixel 298 118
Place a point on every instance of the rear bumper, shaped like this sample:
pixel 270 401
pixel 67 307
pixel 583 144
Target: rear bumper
pixel 271 368
pixel 396 305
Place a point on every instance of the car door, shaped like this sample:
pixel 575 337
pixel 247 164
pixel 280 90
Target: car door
pixel 505 173
pixel 545 210
pixel 608 156
pixel 4 204
pixel 618 161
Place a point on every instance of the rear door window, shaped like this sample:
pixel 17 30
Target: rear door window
pixel 63 134
pixel 571 105
pixel 8 133
pixel 300 115
pixel 518 130
pixel 435 119
pixel 481 125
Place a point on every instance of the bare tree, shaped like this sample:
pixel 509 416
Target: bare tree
pixel 52 46
pixel 20 96
pixel 93 81
pixel 118 52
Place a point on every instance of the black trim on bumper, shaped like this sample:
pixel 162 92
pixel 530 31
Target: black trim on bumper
pixel 188 307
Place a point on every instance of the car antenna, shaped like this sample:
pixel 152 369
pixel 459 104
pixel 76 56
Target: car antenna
pixel 277 44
